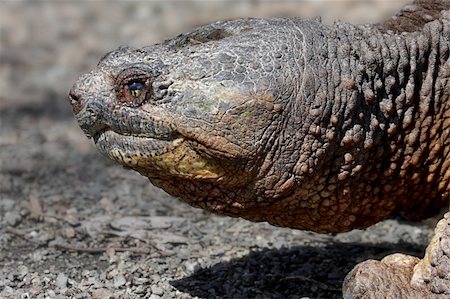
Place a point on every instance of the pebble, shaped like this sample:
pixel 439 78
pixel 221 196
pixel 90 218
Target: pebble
pixel 69 232
pixel 7 292
pixel 102 294
pixel 72 217
pixel 113 273
pixel 140 280
pixel 190 266
pixel 157 290
pixel 61 281
pixel 119 281
pixel 7 204
pixel 140 290
pixel 51 294
pixel 13 218
pixel 22 270
pixel 106 204
pixel 35 206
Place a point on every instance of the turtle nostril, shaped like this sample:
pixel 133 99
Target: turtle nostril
pixel 75 101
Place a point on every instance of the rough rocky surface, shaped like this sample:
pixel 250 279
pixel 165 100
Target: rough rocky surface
pixel 75 225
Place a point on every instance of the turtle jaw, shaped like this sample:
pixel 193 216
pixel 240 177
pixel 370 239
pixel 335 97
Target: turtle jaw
pixel 157 158
pixel 132 150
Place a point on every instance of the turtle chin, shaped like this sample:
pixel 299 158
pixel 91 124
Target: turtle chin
pixel 157 158
pixel 133 151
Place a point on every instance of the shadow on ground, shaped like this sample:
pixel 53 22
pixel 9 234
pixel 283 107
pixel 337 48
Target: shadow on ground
pixel 287 272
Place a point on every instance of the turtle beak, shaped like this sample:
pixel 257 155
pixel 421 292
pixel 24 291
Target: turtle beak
pixel 76 101
pixel 88 110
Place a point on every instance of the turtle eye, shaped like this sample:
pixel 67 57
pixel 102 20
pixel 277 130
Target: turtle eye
pixel 136 89
pixel 136 92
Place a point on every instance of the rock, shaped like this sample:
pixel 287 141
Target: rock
pixel 6 204
pixel 157 290
pixel 190 266
pixel 7 292
pixel 22 271
pixel 101 294
pixel 119 281
pixel 51 294
pixel 112 274
pixel 13 218
pixel 36 211
pixel 106 204
pixel 69 232
pixel 61 281
pixel 72 217
pixel 72 220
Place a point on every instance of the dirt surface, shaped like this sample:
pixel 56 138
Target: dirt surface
pixel 75 225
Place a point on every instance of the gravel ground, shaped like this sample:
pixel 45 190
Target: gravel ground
pixel 75 225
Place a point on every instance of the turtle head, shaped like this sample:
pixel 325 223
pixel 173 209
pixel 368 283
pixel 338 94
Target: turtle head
pixel 194 114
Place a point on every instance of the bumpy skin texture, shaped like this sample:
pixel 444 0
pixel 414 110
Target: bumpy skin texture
pixel 403 276
pixel 325 128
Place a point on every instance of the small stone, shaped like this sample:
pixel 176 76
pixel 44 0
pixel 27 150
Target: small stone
pixel 154 296
pixel 157 290
pixel 140 280
pixel 46 236
pixel 140 290
pixel 34 291
pixel 86 273
pixel 13 218
pixel 7 204
pixel 35 280
pixel 22 271
pixel 69 232
pixel 71 282
pixel 8 292
pixel 119 281
pixel 106 204
pixel 190 266
pixel 64 291
pixel 72 217
pixel 111 274
pixel 110 252
pixel 61 281
pixel 26 279
pixel 51 294
pixel 101 294
pixel 36 211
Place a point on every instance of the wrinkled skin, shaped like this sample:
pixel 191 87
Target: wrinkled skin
pixel 325 128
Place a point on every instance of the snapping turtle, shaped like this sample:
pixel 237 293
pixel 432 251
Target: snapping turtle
pixel 293 122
